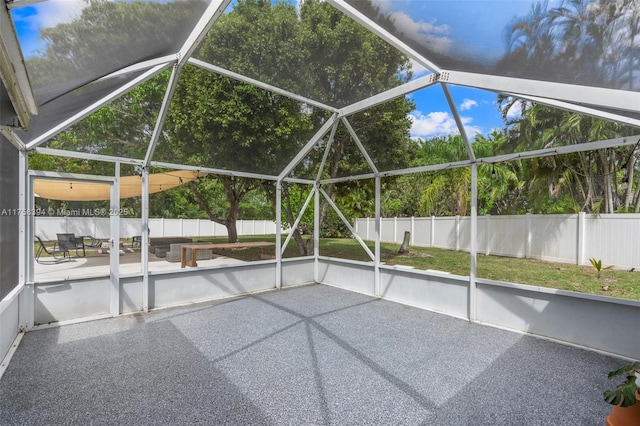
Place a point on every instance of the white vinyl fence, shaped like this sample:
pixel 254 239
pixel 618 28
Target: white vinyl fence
pixel 98 227
pixel 613 238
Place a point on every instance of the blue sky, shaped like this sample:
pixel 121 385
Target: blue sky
pixel 468 28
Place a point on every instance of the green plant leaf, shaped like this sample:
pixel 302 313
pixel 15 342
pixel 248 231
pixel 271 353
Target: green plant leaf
pixel 625 394
pixel 625 369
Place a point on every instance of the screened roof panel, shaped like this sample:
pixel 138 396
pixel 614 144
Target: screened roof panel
pixel 316 52
pixel 590 43
pixel 70 43
pixel 67 105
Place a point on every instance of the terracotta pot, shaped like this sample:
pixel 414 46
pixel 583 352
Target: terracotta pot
pixel 625 416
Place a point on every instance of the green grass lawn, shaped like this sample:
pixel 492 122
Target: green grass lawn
pixel 614 283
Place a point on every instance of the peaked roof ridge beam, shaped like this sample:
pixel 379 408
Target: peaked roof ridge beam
pixel 326 151
pixel 88 156
pixel 591 96
pixel 580 109
pixel 11 136
pixel 396 92
pixel 363 20
pixel 212 171
pixel 258 83
pixel 215 9
pixel 346 222
pixel 356 139
pixel 162 115
pixel 97 105
pixel 308 147
pixel 456 116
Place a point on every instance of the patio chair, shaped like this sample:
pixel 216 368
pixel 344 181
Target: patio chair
pixel 93 242
pixel 52 253
pixel 68 242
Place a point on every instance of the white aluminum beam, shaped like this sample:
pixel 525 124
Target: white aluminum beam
pixel 70 176
pixel 309 146
pixel 13 72
pixel 258 83
pixel 567 149
pixel 162 115
pixel 88 156
pixel 347 224
pixel 11 136
pixel 396 92
pixel 580 109
pixel 382 33
pixel 97 105
pixel 456 116
pixel 209 17
pixel 141 66
pixel 623 100
pixel 212 171
pixel 356 139
pixel 473 249
pixel 114 251
pixel 144 246
pixel 327 149
pixel 377 291
pixel 297 221
pixel 278 277
pixel 297 180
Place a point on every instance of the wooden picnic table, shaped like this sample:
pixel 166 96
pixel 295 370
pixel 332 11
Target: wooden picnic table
pixel 194 248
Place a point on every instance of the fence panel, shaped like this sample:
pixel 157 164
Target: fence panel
pixel 614 238
pixel 445 233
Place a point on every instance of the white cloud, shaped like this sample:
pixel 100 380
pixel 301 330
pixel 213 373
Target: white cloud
pixel 467 104
pixel 515 110
pixel 439 124
pixel 51 13
pixel 427 34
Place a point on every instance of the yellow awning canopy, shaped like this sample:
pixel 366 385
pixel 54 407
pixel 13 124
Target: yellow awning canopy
pixel 130 186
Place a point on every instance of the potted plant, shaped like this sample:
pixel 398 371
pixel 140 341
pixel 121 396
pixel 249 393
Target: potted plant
pixel 625 398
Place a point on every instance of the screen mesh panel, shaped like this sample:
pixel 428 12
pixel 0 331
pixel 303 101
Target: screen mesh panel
pixel 79 42
pixel 590 42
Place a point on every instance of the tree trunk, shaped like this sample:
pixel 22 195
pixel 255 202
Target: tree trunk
pixel 232 218
pixel 404 248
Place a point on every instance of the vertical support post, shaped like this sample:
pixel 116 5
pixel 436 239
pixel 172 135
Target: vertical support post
pixel 395 228
pixel 316 234
pixel 144 240
pixel 279 234
pixel 581 239
pixel 181 227
pixel 376 284
pixel 25 241
pixel 527 243
pixel 433 231
pixel 457 232
pixel 26 310
pixel 473 255
pixel 413 228
pixel 368 238
pixel 114 258
pixel 487 232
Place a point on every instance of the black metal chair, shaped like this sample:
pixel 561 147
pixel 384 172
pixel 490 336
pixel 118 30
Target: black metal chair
pixel 93 242
pixel 68 242
pixel 52 253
